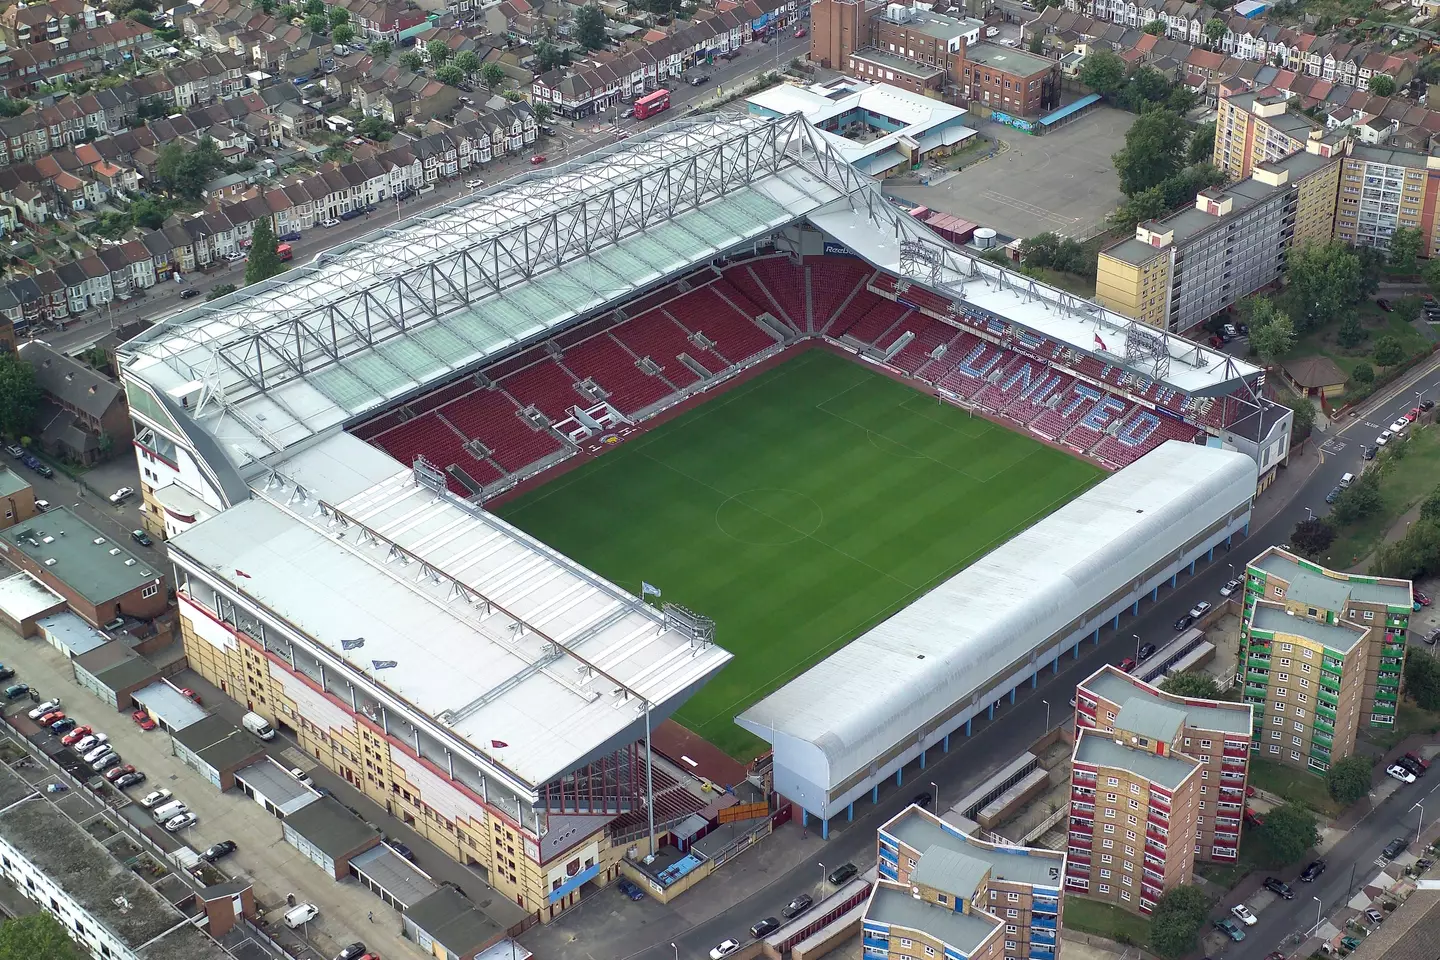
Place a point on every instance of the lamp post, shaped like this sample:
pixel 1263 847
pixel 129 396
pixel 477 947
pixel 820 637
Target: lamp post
pixel 935 792
pixel 677 951
pixel 1419 805
pixel 1318 905
pixel 1137 646
pixel 1047 715
pixel 822 878
pixel 1309 514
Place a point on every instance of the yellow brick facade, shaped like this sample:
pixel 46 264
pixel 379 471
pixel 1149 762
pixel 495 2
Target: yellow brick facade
pixel 1136 290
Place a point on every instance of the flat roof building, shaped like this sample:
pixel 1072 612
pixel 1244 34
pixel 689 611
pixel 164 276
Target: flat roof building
pixel 329 835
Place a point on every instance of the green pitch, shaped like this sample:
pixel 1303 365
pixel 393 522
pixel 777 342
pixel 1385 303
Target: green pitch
pixel 798 510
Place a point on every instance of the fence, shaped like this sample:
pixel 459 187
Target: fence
pixel 1046 825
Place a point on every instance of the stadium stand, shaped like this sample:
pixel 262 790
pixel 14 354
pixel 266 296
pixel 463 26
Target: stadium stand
pixel 734 335
pixel 605 361
pixel 493 418
pixel 778 276
pixel 832 281
pixel 656 335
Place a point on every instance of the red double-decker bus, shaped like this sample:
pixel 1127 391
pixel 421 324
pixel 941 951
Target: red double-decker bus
pixel 652 103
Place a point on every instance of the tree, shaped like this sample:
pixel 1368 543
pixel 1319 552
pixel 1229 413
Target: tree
pixel 185 172
pixel 1382 85
pixel 1144 86
pixel 1290 830
pixel 469 62
pixel 313 7
pixel 1103 72
pixel 1154 149
pixel 1363 374
pixel 1039 250
pixel 590 27
pixel 1322 279
pixel 1359 500
pixel 222 290
pixel 1351 332
pixel 374 128
pixel 411 60
pixel 1406 243
pixel 267 6
pixel 380 50
pixel 1348 779
pixel 342 33
pixel 1156 28
pixel 1432 274
pixel 1274 339
pixel 493 76
pixel 1145 205
pixel 1422 680
pixel 1304 412
pixel 437 51
pixel 542 110
pixel 450 74
pixel 1311 537
pixel 38 936
pixel 1202 143
pixel 1191 684
pixel 13 108
pixel 1037 44
pixel 316 23
pixel 1388 350
pixel 1177 920
pixel 288 12
pixel 264 261
pixel 338 16
pixel 548 56
pixel 19 395
pixel 1214 30
pixel 1430 506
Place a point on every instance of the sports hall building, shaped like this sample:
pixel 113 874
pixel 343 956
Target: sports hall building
pixel 319 448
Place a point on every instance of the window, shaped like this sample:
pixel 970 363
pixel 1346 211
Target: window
pixel 1110 813
pixel 1369 614
pixel 1273 748
pixel 150 591
pixel 1010 945
pixel 1112 781
pixel 1278 721
pixel 1295 741
pixel 1013 897
pixel 1110 798
pixel 1307 653
pixel 904 942
pixel 1204 744
pixel 1134 804
pixel 1012 912
pixel 1104 874
pixel 1011 928
pixel 1106 858
pixel 1107 844
pixel 1104 888
pixel 929 950
pixel 1135 788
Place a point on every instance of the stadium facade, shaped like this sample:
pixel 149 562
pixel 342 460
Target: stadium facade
pixel 318 448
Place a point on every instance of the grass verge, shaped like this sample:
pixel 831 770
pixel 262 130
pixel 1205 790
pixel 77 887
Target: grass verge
pixel 1292 784
pixel 1404 483
pixel 1410 720
pixel 1106 920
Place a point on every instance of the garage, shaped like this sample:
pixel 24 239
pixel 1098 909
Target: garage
pixel 330 835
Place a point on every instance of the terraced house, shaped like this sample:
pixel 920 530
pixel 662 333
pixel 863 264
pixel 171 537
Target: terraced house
pixel 942 892
pixel 1321 655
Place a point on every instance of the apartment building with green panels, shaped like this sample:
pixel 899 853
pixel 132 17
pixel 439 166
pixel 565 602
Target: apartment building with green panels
pixel 1321 656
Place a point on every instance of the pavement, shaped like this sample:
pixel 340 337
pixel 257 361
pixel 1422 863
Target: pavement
pixel 759 882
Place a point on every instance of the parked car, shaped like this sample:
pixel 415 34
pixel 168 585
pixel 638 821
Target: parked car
pixel 16 691
pixel 152 800
pixel 1394 848
pixel 723 949
pixel 699 80
pixel 130 780
pixel 535 161
pixel 234 257
pixel 1420 762
pixel 329 222
pixel 186 819
pixel 15 450
pixel 1383 439
pixel 1422 599
pixel 305 778
pixel 1384 304
pixel 105 761
pixel 800 33
pixel 1146 651
pixel 143 720
pixel 475 184
pixel 396 845
pixel 89 743
pixel 1231 929
pixel 191 695
pixel 37 712
pixel 142 538
pixel 223 849
pixel 1427 404
pixel 352 952
pixel 121 495
pixel 1368 453
pixel 764 928
pixel 290 237
pixel 115 773
pixel 1243 914
pixel 842 873
pixel 62 726
pixel 6 672
pixel 1399 426
pixel 1334 494
pixel 1231 586
pixel 1280 888
pixel 189 292
pixel 1374 916
pixel 1312 871
pixel 1183 623
pixel 1200 609
pixel 1410 765
pixel 797 906
pixel 42 468
pixel 49 718
pixel 42 505
pixel 1127 664
pixel 1400 773
pixel 75 736
pixel 630 890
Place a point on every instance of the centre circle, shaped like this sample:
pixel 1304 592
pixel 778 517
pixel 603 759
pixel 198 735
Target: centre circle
pixel 769 516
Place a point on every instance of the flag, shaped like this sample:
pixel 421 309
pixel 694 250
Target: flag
pixel 384 664
pixel 242 573
pixel 355 644
pixel 1100 343
pixel 648 590
pixel 498 744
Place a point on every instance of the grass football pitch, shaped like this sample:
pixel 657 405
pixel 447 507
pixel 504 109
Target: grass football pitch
pixel 797 510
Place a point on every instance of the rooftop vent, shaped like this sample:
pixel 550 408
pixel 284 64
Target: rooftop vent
pixel 50 562
pixel 114 551
pixel 129 561
pixel 98 540
pixel 47 540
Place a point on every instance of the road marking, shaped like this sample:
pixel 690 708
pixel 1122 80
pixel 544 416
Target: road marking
pixel 1030 208
pixel 1334 445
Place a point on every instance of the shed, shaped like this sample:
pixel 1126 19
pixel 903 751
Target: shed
pixel 66 632
pixel 113 672
pixel 391 877
pixel 216 748
pixel 1316 377
pixel 448 920
pixel 329 834
pixel 271 786
pixel 169 707
pixel 25 601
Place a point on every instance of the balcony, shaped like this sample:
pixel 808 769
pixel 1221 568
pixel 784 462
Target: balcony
pixel 1261 663
pixel 1326 711
pixel 1388 680
pixel 1254 689
pixel 1086 827
pixel 1159 803
pixel 1082 840
pixel 1154 875
pixel 1324 726
pixel 1393 650
pixel 1235 751
pixel 1252 676
pixel 1323 740
pixel 1161 840
pixel 1385 696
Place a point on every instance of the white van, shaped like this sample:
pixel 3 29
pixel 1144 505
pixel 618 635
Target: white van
pixel 301 915
pixel 258 725
pixel 168 811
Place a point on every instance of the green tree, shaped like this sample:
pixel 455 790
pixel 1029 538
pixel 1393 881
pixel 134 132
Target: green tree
pixel 1312 537
pixel 342 33
pixel 222 290
pixel 37 936
pixel 1103 72
pixel 313 7
pixel 1382 86
pixel 1202 143
pixel 1348 779
pixel 185 172
pixel 1388 350
pixel 1274 339
pixel 1145 205
pixel 1214 30
pixel 316 23
pixel 1037 43
pixel 411 60
pixel 1430 506
pixel 1422 680
pixel 13 108
pixel 338 16
pixel 1177 920
pixel 1154 151
pixel 1359 500
pixel 1362 373
pixel 288 12
pixel 437 51
pixel 590 27
pixel 264 261
pixel 19 395
pixel 1290 830
pixel 1406 243
pixel 450 74
pixel 1039 250
pixel 542 110
pixel 469 63
pixel 267 6
pixel 1321 280
pixel 374 128
pixel 493 76
pixel 549 56
pixel 1304 412
pixel 1432 275
pixel 380 50
pixel 1156 28
pixel 1351 332
pixel 1190 683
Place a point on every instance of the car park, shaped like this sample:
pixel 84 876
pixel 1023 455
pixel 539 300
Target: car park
pixel 1312 871
pixel 1394 848
pixel 1243 914
pixel 37 712
pixel 105 761
pixel 630 890
pixel 152 800
pixel 1279 887
pixel 1231 586
pixel 130 780
pixel 142 720
pixel 723 949
pixel 842 873
pixel 62 726
pixel 797 906
pixel 1183 623
pixel 223 849
pixel 75 736
pixel 1400 773
pixel 175 824
pixel 1231 929
pixel 1146 651
pixel 764 928
pixel 116 773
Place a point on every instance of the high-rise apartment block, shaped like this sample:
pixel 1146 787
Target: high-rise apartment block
pixel 1157 782
pixel 1179 271
pixel 1321 654
pixel 944 893
pixel 1382 190
pixel 1255 128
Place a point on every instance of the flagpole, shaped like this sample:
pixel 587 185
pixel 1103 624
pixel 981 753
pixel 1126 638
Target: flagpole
pixel 649 779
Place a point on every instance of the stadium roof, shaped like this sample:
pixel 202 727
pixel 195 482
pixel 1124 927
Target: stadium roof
pixel 835 720
pixel 493 635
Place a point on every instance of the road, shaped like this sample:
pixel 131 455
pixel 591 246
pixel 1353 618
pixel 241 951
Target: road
pixel 972 760
pixel 572 140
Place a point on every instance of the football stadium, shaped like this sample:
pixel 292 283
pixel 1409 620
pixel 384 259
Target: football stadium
pixel 698 426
